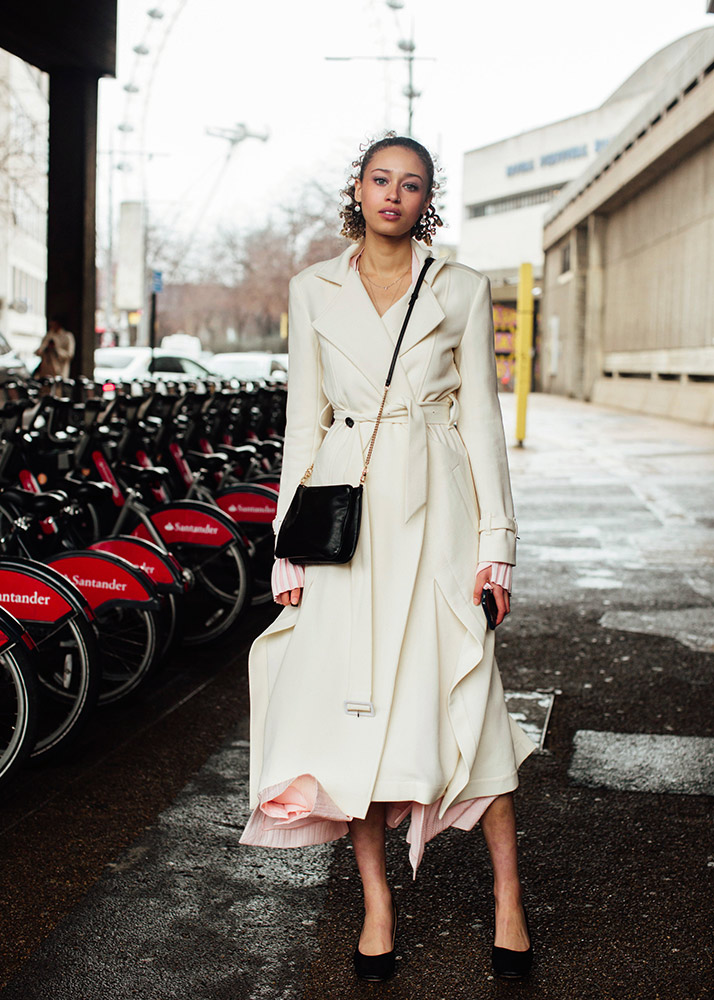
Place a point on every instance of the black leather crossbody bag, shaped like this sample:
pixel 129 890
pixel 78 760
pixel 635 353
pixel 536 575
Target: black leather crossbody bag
pixel 322 523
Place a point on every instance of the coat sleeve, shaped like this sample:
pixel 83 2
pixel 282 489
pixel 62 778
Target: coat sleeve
pixel 481 428
pixel 306 401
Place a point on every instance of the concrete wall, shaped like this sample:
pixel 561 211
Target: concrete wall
pixel 501 242
pixel 659 250
pixel 630 323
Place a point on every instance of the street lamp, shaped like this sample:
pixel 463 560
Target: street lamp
pixel 409 92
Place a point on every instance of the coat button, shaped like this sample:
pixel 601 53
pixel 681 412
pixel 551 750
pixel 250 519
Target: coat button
pixel 349 421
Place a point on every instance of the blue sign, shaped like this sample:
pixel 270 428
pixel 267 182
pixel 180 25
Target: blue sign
pixel 520 168
pixel 574 153
pixel 157 281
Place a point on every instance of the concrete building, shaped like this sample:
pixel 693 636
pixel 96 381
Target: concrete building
pixel 23 202
pixel 628 296
pixel 509 185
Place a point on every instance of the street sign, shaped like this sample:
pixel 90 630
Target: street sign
pixel 157 281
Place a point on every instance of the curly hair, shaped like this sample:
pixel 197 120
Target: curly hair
pixel 353 225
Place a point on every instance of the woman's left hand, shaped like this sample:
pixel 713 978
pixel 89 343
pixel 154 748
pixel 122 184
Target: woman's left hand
pixel 503 598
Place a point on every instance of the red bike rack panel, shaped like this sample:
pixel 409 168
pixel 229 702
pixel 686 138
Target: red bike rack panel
pixel 161 567
pixel 107 476
pixel 242 504
pixel 29 598
pixel 105 578
pixel 189 523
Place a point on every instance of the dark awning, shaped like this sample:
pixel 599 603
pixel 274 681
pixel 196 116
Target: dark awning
pixel 50 35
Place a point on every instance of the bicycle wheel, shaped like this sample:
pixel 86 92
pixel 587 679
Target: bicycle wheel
pixel 222 585
pixel 18 710
pixel 128 639
pixel 68 682
pixel 81 528
pixel 168 624
pixel 262 557
pixel 252 507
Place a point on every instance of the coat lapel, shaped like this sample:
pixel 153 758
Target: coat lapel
pixel 351 323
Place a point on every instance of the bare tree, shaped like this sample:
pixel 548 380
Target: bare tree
pixel 239 279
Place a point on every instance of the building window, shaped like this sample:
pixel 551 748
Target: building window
pixel 28 293
pixel 26 213
pixel 565 258
pixel 512 202
pixel 27 136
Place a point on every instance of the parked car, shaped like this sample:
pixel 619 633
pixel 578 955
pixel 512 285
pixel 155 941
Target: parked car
pixel 122 364
pixel 10 363
pixel 247 365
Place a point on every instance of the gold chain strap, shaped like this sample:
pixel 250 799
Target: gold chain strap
pixel 374 435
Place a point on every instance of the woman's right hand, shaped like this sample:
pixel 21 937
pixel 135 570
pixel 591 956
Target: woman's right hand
pixel 289 596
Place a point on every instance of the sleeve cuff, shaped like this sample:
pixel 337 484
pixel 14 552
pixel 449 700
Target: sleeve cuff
pixel 286 576
pixel 501 573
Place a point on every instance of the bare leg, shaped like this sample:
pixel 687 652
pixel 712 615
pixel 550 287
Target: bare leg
pixel 499 828
pixel 368 842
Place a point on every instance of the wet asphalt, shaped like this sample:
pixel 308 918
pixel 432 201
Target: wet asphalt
pixel 121 870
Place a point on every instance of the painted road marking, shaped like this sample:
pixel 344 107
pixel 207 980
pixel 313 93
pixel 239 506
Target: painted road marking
pixel 643 762
pixel 693 627
pixel 531 710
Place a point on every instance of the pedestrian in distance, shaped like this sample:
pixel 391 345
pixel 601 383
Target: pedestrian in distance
pixel 375 694
pixel 56 350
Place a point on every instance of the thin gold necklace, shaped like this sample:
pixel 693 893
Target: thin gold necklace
pixel 384 287
pixel 374 301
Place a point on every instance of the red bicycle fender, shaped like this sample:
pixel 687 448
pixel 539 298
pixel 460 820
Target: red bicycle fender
pixel 185 525
pixel 242 505
pixel 105 579
pixel 30 599
pixel 159 567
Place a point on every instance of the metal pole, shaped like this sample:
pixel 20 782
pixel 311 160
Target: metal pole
pixel 524 347
pixel 109 306
pixel 410 62
pixel 152 325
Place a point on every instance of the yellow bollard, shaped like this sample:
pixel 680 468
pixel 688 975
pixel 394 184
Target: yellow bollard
pixel 283 326
pixel 524 348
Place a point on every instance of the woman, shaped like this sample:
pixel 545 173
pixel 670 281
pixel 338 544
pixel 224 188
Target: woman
pixel 375 694
pixel 56 351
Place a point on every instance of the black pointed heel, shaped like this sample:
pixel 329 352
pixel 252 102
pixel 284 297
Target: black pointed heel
pixel 513 964
pixel 377 968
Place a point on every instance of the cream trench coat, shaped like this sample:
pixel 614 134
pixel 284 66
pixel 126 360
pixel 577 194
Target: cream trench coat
pixel 381 683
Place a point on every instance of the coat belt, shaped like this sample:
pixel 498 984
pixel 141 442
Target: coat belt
pixel 416 415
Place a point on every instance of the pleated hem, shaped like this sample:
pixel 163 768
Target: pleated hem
pixel 299 813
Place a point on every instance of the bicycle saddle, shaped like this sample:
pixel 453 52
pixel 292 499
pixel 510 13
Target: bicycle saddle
pixel 240 452
pixel 37 504
pixel 86 490
pixel 140 476
pixel 213 462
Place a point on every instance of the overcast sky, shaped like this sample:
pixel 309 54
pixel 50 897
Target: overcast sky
pixel 498 68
